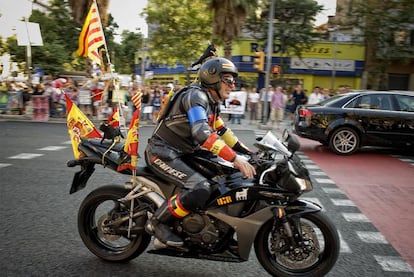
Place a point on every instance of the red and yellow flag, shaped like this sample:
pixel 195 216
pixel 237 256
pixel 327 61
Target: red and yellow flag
pixel 79 126
pixel 91 36
pixel 131 143
pixel 113 119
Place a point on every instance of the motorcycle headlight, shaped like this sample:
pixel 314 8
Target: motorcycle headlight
pixel 304 184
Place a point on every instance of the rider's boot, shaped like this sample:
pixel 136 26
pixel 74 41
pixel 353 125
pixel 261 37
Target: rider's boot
pixel 159 225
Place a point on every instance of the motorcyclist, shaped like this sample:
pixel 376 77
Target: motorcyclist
pixel 193 122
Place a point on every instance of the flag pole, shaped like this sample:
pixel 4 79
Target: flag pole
pixel 120 110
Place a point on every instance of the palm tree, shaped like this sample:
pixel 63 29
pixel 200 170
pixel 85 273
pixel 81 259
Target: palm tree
pixel 229 17
pixel 81 7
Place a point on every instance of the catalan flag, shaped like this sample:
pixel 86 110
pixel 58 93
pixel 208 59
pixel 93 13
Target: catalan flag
pixel 91 36
pixel 79 126
pixel 131 144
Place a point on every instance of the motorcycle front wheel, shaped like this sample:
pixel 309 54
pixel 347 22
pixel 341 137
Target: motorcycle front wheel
pixel 313 255
pixel 103 228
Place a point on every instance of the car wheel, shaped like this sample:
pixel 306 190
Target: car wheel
pixel 344 141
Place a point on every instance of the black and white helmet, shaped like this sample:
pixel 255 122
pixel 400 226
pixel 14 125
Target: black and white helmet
pixel 211 72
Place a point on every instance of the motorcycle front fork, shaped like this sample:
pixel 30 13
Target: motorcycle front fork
pixel 280 214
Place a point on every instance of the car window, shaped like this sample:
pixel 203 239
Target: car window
pixel 405 103
pixel 372 102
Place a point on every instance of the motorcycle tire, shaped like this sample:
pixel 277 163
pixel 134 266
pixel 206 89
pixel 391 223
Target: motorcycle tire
pixel 284 262
pixel 99 207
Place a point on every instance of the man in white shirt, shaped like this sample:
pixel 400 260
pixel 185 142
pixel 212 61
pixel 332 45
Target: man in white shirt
pixel 316 96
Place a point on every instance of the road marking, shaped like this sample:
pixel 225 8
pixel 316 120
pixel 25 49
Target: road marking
pixel 355 217
pixel 392 263
pixel 324 181
pixel 344 248
pixel 333 190
pixel 343 202
pixel 26 156
pixel 4 165
pixel 372 237
pixel 317 173
pixel 312 166
pixel 67 142
pixel 52 148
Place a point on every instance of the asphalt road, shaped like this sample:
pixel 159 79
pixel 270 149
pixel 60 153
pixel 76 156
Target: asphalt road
pixel 38 217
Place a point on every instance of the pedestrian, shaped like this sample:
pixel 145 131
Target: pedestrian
pixel 252 104
pixel 316 96
pixel 266 99
pixel 298 97
pixel 278 105
pixel 193 122
pixel 156 104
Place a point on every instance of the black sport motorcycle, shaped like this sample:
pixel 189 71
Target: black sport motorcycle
pixel 291 237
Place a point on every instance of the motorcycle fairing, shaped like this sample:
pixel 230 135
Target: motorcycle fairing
pixel 299 207
pixel 246 228
pixel 250 193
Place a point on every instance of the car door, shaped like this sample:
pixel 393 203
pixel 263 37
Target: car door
pixel 403 105
pixel 375 113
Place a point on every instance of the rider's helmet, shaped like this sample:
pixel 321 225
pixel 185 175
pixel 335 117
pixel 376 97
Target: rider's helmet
pixel 212 70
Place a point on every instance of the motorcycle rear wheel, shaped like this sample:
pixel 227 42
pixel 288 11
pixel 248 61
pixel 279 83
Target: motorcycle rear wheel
pixel 100 207
pixel 321 237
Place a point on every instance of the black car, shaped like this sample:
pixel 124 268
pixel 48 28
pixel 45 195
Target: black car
pixel 349 121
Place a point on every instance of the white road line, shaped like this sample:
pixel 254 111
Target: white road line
pixel 4 165
pixel 317 173
pixel 372 237
pixel 52 148
pixel 312 166
pixel 25 156
pixel 344 245
pixel 392 263
pixel 355 217
pixel 324 181
pixel 343 202
pixel 67 142
pixel 333 190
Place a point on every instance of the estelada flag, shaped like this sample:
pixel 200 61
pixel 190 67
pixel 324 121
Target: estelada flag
pixel 131 144
pixel 91 36
pixel 79 126
pixel 113 119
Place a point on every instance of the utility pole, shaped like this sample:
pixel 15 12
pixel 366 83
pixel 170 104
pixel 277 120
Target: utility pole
pixel 269 52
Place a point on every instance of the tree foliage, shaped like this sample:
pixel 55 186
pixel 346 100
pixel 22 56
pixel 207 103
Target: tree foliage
pixel 228 20
pixel 293 24
pixel 182 30
pixel 388 30
pixel 60 35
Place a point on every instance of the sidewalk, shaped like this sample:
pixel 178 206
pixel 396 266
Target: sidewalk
pixel 256 126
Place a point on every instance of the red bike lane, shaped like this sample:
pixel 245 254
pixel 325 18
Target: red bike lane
pixel 380 185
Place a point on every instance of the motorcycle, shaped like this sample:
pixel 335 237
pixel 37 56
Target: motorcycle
pixel 290 236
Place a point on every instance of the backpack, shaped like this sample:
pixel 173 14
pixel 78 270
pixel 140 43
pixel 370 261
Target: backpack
pixel 169 100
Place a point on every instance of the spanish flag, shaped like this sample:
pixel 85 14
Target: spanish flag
pixel 79 126
pixel 131 143
pixel 91 36
pixel 113 119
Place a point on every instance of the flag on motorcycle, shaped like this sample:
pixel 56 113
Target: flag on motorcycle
pixel 91 36
pixel 136 99
pixel 131 144
pixel 113 119
pixel 79 126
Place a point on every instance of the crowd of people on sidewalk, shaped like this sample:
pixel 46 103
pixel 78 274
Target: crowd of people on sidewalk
pixel 97 99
